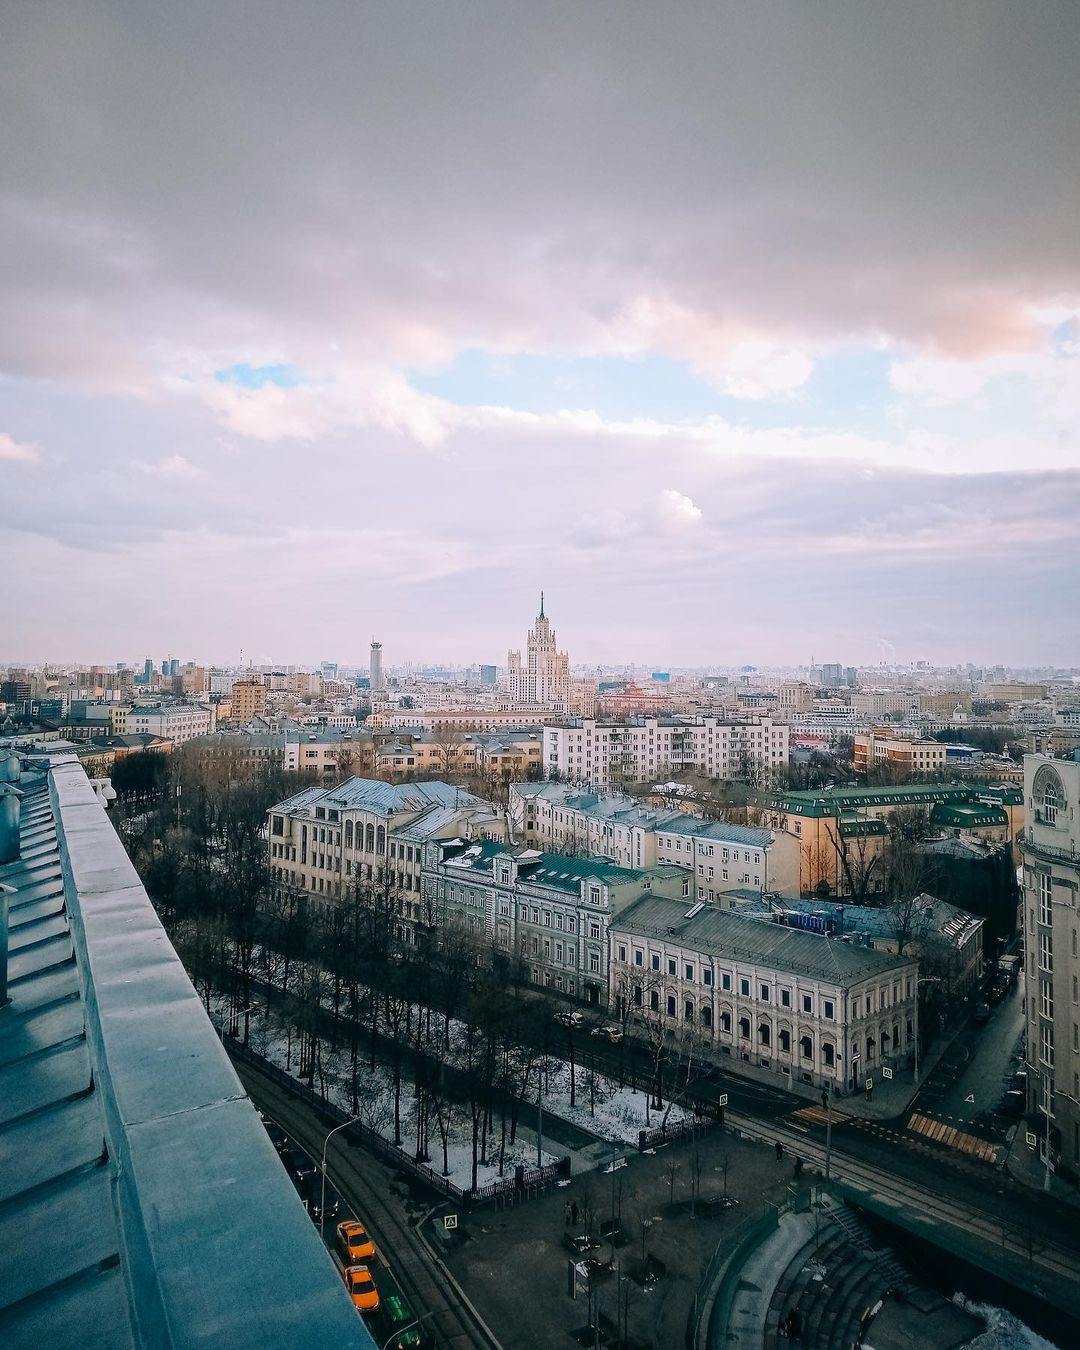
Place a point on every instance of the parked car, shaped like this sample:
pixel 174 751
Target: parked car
pixel 360 1283
pixel 1013 1104
pixel 333 1204
pixel 611 1030
pixel 277 1136
pixel 569 1019
pixel 355 1241
pixel 981 1013
pixel 402 1322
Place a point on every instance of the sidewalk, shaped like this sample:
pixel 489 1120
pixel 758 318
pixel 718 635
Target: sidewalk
pixel 1024 1165
pixel 892 1098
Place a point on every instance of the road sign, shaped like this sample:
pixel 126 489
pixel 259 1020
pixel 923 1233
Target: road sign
pixel 449 1221
pixel 886 1072
pixel 1030 1139
pixel 970 1098
pixel 869 1085
pixel 722 1099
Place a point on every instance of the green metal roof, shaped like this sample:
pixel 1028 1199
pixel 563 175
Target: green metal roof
pixel 833 803
pixel 968 815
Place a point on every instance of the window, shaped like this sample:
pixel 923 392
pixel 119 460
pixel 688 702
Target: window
pixel 639 958
pixel 1046 953
pixel 706 977
pixel 594 894
pixel 785 1041
pixel 622 952
pixel 764 1033
pixel 688 1010
pixel 744 988
pixel 654 1000
pixel 655 961
pixel 830 1012
pixel 594 930
pixel 1047 992
pixel 1046 1044
pixel 672 966
pixel 594 962
pixel 1050 802
pixel 725 981
pixel 828 1054
pixel 1045 898
pixel 764 993
pixel 806 1047
pixel 785 998
pixel 808 1003
pixel 706 1015
pixel 725 1022
pixel 688 971
pixel 744 1028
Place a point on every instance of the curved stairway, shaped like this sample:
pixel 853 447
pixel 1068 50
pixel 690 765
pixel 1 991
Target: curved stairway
pixel 832 1283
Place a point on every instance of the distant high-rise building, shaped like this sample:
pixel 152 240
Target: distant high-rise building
pixel 378 679
pixel 489 674
pixel 544 676
pixel 248 700
pixel 165 667
pixel 832 674
pixel 329 670
pixel 174 666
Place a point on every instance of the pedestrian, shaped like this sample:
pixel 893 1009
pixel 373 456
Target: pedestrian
pixel 566 1214
pixel 574 1213
pixel 779 1150
pixel 798 1167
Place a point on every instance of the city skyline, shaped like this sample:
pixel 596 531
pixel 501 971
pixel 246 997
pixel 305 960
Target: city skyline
pixel 355 313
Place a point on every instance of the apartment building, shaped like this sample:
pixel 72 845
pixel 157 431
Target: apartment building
pixel 1051 898
pixel 796 1004
pixel 547 912
pixel 464 720
pixel 503 757
pixel 247 699
pixel 723 857
pixel 322 839
pixel 908 754
pixel 177 722
pixel 603 754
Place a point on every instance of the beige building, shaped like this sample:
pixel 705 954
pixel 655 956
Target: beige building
pixel 324 839
pixel 543 677
pixel 907 754
pixel 798 1004
pixel 247 699
pixel 1051 898
pixel 461 719
pixel 176 722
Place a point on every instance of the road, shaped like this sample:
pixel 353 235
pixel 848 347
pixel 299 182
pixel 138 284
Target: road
pixel 374 1192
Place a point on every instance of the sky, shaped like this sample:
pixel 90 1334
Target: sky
pixel 747 331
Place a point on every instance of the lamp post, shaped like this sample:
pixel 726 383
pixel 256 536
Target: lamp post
pixel 322 1194
pixel 921 979
pixel 407 1327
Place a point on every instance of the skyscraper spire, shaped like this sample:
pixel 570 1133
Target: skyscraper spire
pixel 541 604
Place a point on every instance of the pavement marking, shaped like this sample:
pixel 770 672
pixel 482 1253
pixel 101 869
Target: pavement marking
pixel 951 1137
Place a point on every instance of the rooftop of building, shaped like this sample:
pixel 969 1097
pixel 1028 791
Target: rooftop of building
pixel 369 794
pixel 754 941
pixel 136 1169
pixel 832 801
pixel 967 815
pixel 930 918
pixel 558 870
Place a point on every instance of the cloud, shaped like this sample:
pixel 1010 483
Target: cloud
pixel 676 512
pixel 174 467
pixel 16 450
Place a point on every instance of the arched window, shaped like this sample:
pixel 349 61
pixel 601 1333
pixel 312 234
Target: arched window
pixel 871 1047
pixel 884 1042
pixel 380 839
pixel 348 834
pixel 370 839
pixel 1050 801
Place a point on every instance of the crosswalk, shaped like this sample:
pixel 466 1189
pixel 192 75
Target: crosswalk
pixel 928 1129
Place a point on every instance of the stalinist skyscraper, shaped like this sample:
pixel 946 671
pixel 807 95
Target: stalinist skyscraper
pixel 544 677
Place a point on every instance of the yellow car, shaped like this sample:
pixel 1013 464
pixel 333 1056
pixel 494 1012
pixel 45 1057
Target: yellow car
pixel 355 1242
pixel 360 1283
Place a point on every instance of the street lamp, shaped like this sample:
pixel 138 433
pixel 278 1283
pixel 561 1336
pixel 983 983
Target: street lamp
pixel 322 1194
pixel 235 1018
pixel 921 979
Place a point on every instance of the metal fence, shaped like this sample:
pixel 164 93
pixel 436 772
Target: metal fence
pixel 525 1184
pixel 669 1132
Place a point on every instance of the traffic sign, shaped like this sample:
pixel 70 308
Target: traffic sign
pixel 886 1072
pixel 970 1098
pixel 869 1085
pixel 722 1099
pixel 449 1221
pixel 1030 1139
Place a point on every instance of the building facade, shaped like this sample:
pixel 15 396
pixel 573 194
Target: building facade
pixel 723 857
pixel 908 754
pixel 1051 887
pixel 794 1003
pixel 607 754
pixel 175 722
pixel 247 699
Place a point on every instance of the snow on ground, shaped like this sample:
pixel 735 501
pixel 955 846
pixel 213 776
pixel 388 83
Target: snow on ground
pixel 375 1091
pixel 603 1108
